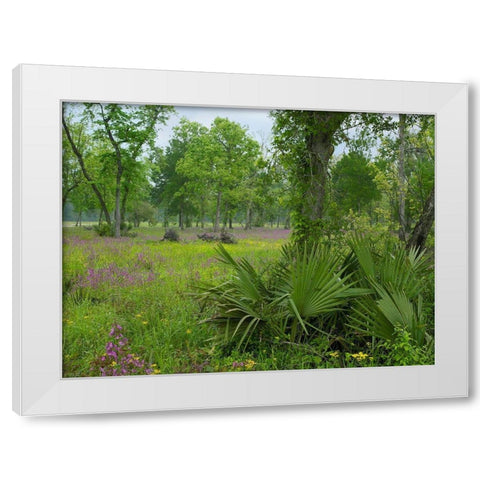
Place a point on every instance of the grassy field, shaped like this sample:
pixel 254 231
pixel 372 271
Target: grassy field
pixel 131 298
pixel 131 307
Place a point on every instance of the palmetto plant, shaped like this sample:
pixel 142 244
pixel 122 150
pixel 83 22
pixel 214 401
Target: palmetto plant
pixel 312 285
pixel 242 304
pixel 306 285
pixel 396 279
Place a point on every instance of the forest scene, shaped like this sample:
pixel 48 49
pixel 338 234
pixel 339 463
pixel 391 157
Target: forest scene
pixel 200 240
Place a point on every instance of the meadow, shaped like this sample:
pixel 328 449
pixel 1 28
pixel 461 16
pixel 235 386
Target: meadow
pixel 144 286
pixel 133 306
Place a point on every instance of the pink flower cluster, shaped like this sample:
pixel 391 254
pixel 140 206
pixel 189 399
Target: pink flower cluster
pixel 113 276
pixel 118 359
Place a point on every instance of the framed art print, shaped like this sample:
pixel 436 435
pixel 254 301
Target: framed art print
pixel 203 240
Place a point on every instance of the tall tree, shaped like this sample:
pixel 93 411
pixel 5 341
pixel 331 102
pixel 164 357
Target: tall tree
pixel 71 173
pixel 171 187
pixel 423 148
pixel 129 129
pixel 406 157
pixel 219 160
pixel 422 228
pixel 81 152
pixel 304 143
pixel 401 177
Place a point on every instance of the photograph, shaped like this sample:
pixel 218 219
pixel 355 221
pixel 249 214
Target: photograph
pixel 212 239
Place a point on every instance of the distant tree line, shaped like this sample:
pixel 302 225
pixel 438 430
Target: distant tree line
pixel 114 171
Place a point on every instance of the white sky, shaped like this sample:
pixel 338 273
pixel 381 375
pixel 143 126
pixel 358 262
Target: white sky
pixel 257 122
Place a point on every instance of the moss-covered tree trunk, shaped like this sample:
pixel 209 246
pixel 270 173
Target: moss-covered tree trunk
pixel 401 178
pixel 422 228
pixel 312 173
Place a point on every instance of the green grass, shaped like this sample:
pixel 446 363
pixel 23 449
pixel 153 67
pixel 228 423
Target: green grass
pixel 146 286
pixel 152 302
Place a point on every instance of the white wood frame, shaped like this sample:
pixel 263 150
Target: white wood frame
pixel 38 387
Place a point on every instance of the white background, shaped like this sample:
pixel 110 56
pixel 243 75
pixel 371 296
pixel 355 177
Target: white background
pixel 410 40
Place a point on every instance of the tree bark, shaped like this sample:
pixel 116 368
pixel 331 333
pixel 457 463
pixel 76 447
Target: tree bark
pixel 217 214
pixel 248 218
pixel 123 208
pixel 422 228
pixel 313 171
pixel 180 218
pixel 79 219
pixel 89 179
pixel 118 212
pixel 118 183
pixel 401 178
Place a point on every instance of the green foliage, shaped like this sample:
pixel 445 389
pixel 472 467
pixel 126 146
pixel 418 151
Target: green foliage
pixel 109 154
pixel 353 182
pixel 305 286
pixel 140 283
pixel 142 211
pixel 103 229
pixel 325 301
pixel 243 303
pixel 312 284
pixel 396 277
pixel 403 350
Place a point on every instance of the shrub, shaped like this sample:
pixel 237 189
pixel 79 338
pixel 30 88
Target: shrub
pixel 396 279
pixel 402 350
pixel 224 237
pixel 304 287
pixel 108 230
pixel 171 235
pixel 227 237
pixel 207 237
pixel 104 229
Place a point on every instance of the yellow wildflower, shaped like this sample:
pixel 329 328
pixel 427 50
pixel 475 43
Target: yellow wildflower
pixel 360 356
pixel 189 331
pixel 145 322
pixel 249 364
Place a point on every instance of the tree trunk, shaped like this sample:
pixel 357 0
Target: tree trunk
pixel 230 226
pixel 123 208
pixel 320 149
pixel 217 214
pixel 118 212
pixel 79 156
pixel 180 218
pixel 312 172
pixel 248 218
pixel 401 177
pixel 202 215
pixel 422 228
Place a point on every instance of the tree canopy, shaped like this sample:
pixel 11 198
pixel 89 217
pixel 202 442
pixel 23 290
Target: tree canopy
pixel 320 172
